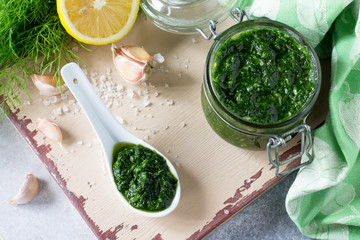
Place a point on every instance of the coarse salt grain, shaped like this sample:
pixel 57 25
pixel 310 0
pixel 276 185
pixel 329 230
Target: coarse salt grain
pixel 156 94
pixel 166 85
pixel 57 111
pixel 93 75
pixel 89 145
pixel 166 127
pixel 247 180
pixel 146 137
pixel 170 102
pixel 176 57
pixel 159 58
pixel 102 78
pixel 71 102
pixel 75 49
pixel 120 87
pixel 130 93
pixel 167 150
pixel 193 40
pixel 65 108
pixel 80 142
pixel 226 211
pixel 183 124
pixel 121 120
pixel 53 99
pixel 147 103
pixel 27 102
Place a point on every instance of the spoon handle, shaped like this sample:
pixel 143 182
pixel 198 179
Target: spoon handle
pixel 107 128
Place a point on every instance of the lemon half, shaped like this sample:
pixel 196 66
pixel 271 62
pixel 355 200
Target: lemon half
pixel 97 22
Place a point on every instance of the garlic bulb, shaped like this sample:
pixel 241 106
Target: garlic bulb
pixel 28 190
pixel 47 85
pixel 49 129
pixel 133 63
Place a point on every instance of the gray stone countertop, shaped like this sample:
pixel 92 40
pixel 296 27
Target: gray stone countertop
pixel 51 216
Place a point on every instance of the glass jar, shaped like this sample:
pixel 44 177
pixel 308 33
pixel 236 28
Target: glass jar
pixel 186 16
pixel 250 135
pixel 202 16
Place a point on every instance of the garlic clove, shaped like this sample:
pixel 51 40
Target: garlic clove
pixel 136 53
pixel 134 64
pixel 28 190
pixel 130 70
pixel 47 85
pixel 49 129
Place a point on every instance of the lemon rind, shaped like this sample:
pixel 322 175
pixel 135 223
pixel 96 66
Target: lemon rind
pixel 69 27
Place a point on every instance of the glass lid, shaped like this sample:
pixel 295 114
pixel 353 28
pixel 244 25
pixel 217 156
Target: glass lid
pixel 186 16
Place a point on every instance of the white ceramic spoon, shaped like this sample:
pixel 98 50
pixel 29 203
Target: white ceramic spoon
pixel 109 130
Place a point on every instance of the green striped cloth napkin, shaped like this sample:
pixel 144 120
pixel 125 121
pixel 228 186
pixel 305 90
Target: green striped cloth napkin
pixel 324 200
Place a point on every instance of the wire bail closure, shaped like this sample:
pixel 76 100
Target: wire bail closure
pixel 276 141
pixel 237 15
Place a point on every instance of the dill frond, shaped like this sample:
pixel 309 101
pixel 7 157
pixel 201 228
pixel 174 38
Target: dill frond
pixel 32 40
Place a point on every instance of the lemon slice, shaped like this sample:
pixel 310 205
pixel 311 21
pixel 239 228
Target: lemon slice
pixel 97 22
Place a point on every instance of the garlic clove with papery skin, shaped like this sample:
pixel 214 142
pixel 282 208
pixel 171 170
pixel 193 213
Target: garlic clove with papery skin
pixel 137 53
pixel 47 85
pixel 49 129
pixel 28 190
pixel 133 63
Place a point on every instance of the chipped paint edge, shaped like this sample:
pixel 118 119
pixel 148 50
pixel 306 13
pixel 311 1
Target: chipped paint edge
pixel 241 201
pixel 41 152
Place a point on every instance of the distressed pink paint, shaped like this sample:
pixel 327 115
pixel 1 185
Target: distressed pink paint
pixel 245 186
pixel 42 151
pixel 238 201
pixel 157 237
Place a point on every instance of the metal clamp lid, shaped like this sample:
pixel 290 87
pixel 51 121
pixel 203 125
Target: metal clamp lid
pixel 276 141
pixel 237 15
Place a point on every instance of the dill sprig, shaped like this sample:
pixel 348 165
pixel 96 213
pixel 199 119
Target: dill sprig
pixel 32 40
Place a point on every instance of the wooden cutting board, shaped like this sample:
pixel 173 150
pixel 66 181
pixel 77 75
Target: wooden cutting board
pixel 217 179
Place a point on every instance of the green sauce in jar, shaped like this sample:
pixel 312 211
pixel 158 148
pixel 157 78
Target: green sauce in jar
pixel 263 75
